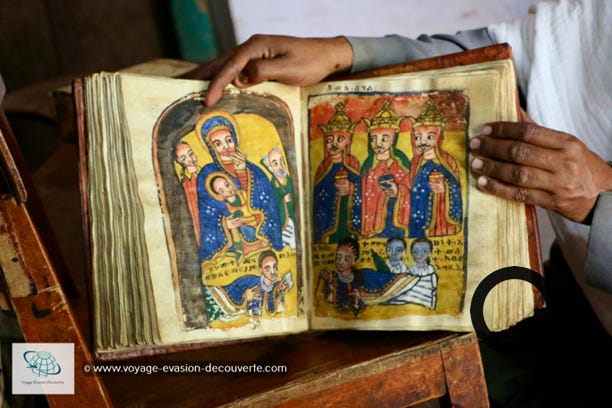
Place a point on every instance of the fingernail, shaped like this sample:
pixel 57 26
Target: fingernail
pixel 475 143
pixel 486 130
pixel 482 181
pixel 243 78
pixel 477 164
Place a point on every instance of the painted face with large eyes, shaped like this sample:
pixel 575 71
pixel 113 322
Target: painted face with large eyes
pixel 269 268
pixel 277 163
pixel 421 251
pixel 381 139
pixel 222 141
pixel 223 187
pixel 345 258
pixel 426 137
pixel 185 156
pixel 395 251
pixel 336 141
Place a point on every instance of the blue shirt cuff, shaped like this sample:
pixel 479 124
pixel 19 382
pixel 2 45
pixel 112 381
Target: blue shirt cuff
pixel 375 52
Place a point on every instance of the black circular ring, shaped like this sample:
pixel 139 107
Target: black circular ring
pixel 488 283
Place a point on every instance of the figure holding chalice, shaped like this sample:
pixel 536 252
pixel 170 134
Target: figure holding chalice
pixel 337 186
pixel 385 178
pixel 436 192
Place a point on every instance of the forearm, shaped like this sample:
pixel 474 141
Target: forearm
pixel 370 52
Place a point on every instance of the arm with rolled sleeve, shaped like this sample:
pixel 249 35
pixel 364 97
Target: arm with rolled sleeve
pixel 374 52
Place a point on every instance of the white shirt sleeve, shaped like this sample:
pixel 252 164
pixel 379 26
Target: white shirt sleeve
pixel 562 52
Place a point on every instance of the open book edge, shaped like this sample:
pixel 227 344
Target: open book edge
pixel 147 336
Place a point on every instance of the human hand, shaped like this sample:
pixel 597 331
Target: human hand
pixel 282 286
pixel 327 275
pixel 437 185
pixel 239 158
pixel 234 222
pixel 535 165
pixel 253 293
pixel 289 60
pixel 390 189
pixel 342 186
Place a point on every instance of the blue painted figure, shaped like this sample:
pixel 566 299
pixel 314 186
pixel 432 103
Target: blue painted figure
pixel 436 203
pixel 219 133
pixel 250 294
pixel 337 186
pixel 352 289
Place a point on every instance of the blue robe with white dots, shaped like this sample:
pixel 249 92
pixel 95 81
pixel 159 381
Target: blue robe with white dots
pixel 421 199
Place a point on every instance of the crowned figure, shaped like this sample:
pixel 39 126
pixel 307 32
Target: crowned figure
pixel 385 178
pixel 436 201
pixel 337 185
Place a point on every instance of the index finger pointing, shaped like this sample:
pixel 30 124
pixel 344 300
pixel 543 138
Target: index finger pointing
pixel 234 62
pixel 226 74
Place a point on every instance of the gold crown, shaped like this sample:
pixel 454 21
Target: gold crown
pixel 385 118
pixel 430 117
pixel 340 121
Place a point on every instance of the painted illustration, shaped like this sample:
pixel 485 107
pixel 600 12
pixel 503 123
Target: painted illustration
pixel 409 255
pixel 395 249
pixel 243 226
pixel 282 185
pixel 424 291
pixel 188 161
pixel 250 295
pixel 352 288
pixel 337 183
pixel 436 203
pixel 220 133
pixel 231 229
pixel 386 185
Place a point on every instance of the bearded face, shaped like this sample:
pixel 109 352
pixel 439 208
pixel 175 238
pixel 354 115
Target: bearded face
pixel 425 138
pixel 336 142
pixel 381 140
pixel 185 156
pixel 277 164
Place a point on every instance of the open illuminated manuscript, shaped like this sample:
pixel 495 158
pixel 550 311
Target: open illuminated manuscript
pixel 346 204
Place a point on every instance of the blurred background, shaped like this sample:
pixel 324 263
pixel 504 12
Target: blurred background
pixel 46 39
pixel 44 44
pixel 367 17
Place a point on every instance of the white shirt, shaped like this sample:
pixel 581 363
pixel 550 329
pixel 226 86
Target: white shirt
pixel 563 56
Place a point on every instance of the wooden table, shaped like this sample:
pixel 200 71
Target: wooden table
pixel 329 369
pixel 337 368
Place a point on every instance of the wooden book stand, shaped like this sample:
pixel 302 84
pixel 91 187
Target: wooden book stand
pixel 29 276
